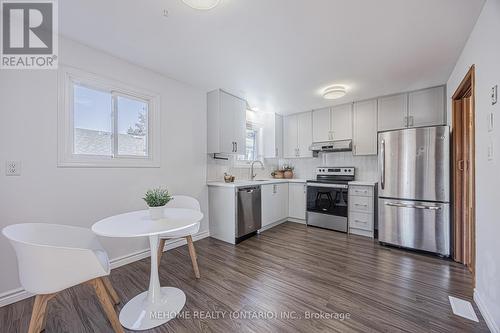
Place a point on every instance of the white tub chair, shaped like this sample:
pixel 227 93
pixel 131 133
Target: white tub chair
pixel 52 258
pixel 182 201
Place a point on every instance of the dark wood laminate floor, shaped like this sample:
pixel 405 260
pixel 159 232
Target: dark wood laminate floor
pixel 289 270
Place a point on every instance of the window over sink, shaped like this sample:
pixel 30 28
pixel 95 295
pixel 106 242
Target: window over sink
pixel 253 141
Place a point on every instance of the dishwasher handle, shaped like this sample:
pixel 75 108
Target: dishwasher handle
pixel 249 189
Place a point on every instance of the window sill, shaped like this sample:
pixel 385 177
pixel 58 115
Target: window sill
pixel 108 163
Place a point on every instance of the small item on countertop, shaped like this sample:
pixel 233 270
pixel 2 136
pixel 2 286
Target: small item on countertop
pixel 278 174
pixel 228 178
pixel 288 171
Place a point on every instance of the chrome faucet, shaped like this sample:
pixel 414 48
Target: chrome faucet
pixel 252 175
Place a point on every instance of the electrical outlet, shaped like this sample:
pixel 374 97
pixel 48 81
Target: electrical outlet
pixel 13 168
pixel 494 95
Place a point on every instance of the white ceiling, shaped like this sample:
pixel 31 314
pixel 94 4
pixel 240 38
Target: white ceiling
pixel 279 54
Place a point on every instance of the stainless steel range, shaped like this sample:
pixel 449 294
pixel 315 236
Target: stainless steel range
pixel 327 198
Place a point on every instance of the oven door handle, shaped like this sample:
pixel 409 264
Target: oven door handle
pixel 327 185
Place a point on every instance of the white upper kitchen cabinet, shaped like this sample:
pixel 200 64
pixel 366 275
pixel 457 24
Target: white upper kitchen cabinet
pixel 226 123
pixel 427 107
pixel 273 135
pixel 274 198
pixel 333 123
pixel 290 136
pixel 297 200
pixel 365 128
pixel 341 122
pixel 305 134
pixel 321 125
pixel 297 136
pixel 392 112
pixel 419 108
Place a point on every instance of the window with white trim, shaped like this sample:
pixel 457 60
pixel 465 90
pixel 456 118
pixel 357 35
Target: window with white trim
pixel 253 141
pixel 105 123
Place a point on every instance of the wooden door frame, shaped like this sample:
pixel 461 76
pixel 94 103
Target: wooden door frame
pixel 466 89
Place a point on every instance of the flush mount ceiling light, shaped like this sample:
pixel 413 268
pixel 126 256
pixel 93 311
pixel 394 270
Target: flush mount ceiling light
pixel 334 92
pixel 201 4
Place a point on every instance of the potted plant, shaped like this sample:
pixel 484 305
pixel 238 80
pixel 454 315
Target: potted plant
pixel 156 199
pixel 288 171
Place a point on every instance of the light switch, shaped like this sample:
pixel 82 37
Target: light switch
pixel 13 168
pixel 491 122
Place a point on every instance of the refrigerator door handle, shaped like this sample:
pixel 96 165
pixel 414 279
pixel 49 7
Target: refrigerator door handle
pixel 427 207
pixel 402 205
pixel 382 164
pixel 395 204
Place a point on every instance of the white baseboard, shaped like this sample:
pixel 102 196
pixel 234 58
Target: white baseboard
pixel 18 294
pixel 488 317
pixel 272 225
pixel 294 220
pixel 171 244
pixel 13 296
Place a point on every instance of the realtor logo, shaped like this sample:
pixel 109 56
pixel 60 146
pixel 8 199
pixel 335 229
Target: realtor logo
pixel 29 34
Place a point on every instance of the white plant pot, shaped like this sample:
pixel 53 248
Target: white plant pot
pixel 156 212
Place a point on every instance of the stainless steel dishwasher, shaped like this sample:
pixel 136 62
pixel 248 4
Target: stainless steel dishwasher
pixel 249 212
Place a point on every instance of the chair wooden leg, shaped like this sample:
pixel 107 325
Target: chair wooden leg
pixel 161 246
pixel 192 253
pixel 106 303
pixel 111 291
pixel 39 314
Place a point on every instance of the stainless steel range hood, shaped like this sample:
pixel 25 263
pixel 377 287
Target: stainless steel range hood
pixel 331 146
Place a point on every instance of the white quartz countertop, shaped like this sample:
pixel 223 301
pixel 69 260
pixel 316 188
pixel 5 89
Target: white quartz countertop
pixel 363 183
pixel 241 183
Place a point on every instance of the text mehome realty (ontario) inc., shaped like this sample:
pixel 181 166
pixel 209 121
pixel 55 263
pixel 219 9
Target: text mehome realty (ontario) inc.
pixel 251 315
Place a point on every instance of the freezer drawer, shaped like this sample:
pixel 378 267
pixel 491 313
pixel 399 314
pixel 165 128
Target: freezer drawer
pixel 415 225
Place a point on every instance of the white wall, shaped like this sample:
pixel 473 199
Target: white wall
pixel 483 50
pixel 82 196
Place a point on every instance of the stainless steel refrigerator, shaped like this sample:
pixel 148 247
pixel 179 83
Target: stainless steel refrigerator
pixel 414 188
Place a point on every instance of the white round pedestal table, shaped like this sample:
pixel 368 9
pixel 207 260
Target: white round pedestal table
pixel 157 305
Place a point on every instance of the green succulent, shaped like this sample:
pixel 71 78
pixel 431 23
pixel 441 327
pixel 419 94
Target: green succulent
pixel 157 197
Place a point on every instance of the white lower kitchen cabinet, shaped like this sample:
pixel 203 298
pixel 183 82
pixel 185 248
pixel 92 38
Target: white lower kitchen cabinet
pixel 297 201
pixel 362 209
pixel 222 207
pixel 274 203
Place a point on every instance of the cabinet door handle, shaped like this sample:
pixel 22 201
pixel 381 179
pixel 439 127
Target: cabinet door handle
pixel 411 121
pixel 359 221
pixel 405 120
pixel 236 147
pixel 360 205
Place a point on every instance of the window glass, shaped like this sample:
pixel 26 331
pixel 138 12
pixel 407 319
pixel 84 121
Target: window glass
pixel 251 144
pixel 92 121
pixel 132 126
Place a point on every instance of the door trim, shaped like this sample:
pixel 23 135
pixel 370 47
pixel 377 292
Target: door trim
pixel 466 89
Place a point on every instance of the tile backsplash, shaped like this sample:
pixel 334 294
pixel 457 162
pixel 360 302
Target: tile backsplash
pixel 366 166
